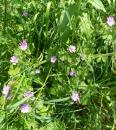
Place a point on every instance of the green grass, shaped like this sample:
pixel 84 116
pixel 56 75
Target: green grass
pixel 49 29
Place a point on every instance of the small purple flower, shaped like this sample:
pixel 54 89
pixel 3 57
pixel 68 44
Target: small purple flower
pixel 23 45
pixel 72 73
pixel 25 108
pixel 53 59
pixel 28 94
pixel 14 60
pixel 72 48
pixel 6 90
pixel 75 97
pixel 37 71
pixel 25 13
pixel 110 21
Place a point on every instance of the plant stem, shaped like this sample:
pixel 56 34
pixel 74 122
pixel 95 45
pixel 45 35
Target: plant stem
pixel 5 14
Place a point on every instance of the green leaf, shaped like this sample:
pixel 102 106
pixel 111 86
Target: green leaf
pixel 86 25
pixel 86 98
pixel 62 25
pixel 56 125
pixel 13 71
pixel 2 116
pixel 57 100
pixel 47 16
pixel 42 117
pixel 109 2
pixel 38 81
pixel 97 4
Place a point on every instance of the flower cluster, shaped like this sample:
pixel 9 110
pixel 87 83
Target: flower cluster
pixel 14 60
pixel 53 59
pixel 25 107
pixel 23 46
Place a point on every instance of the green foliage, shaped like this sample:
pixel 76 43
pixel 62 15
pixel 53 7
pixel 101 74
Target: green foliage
pixel 49 28
pixel 98 4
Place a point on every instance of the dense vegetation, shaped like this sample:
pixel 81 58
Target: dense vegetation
pixel 57 65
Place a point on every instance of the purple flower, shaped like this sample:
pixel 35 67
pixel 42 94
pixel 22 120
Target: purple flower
pixel 53 59
pixel 28 94
pixel 23 45
pixel 37 71
pixel 25 108
pixel 6 90
pixel 25 13
pixel 72 48
pixel 14 60
pixel 72 73
pixel 75 97
pixel 110 21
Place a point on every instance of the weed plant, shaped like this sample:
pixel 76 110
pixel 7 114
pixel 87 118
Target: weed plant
pixel 57 65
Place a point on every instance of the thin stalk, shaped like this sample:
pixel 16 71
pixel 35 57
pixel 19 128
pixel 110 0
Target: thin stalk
pixel 5 14
pixel 6 118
